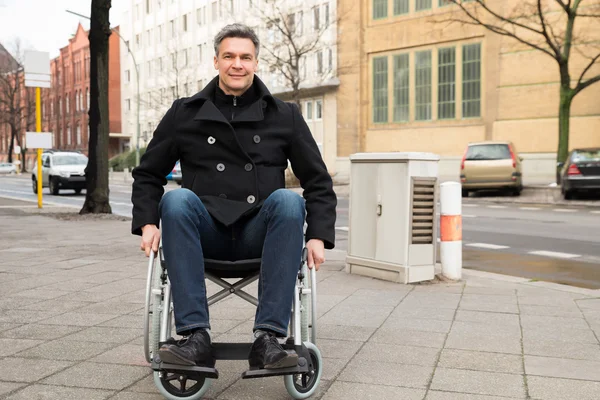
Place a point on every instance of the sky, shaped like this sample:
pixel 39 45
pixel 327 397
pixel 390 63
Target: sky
pixel 44 25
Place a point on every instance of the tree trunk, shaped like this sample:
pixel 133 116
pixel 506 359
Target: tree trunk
pixel 564 113
pixel 96 172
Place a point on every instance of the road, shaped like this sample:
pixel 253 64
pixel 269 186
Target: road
pixel 559 244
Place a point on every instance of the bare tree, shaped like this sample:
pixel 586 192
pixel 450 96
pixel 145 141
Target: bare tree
pixel 17 102
pixel 547 26
pixel 96 171
pixel 290 40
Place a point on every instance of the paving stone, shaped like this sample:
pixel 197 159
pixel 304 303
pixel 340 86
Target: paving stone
pixel 488 318
pixel 562 368
pixel 415 324
pixel 475 328
pixel 264 388
pixel 227 325
pixel 438 395
pixel 499 307
pixel 571 311
pixel 442 314
pixel 369 297
pixel 391 353
pixel 358 333
pixel 48 392
pixel 547 301
pixel 98 376
pixel 90 297
pixel 390 374
pixel 478 382
pixel 124 321
pixel 349 390
pixel 11 346
pixel 489 291
pixel 78 319
pixel 480 361
pixel 106 334
pixel 562 349
pixel 532 321
pixel 559 333
pixel 332 367
pixel 343 349
pixel 136 396
pixel 408 337
pixel 367 316
pixel 111 307
pixel 7 387
pixel 437 300
pixel 58 305
pixel 64 349
pixel 39 331
pixel 15 316
pixel 14 303
pixel 126 354
pixel 544 388
pixel 593 304
pixel 29 370
pixel 492 344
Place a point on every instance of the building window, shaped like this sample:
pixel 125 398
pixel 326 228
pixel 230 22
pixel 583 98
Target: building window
pixel 174 60
pixel 148 2
pixel 447 83
pixel 128 104
pixel 423 85
pixel 69 135
pixel 172 26
pixel 160 33
pixel 401 88
pixel 137 41
pixel 400 7
pixel 316 19
pixel 380 9
pixel 87 91
pixel 185 21
pixel 127 76
pixel 380 89
pixel 330 65
pixel 319 109
pixel 471 80
pixel 320 62
pixel 214 11
pixel 78 135
pixel 423 5
pixel 67 97
pixel 309 110
pixel 326 14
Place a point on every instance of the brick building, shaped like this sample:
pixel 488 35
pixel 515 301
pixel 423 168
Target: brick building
pixel 65 105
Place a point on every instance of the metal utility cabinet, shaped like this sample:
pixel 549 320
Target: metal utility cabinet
pixel 392 224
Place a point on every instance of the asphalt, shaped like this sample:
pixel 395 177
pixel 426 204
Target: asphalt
pixel 71 315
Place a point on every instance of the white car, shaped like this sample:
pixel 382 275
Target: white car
pixel 61 170
pixel 8 168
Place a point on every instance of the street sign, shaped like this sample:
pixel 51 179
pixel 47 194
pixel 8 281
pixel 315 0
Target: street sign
pixel 37 69
pixel 17 149
pixel 38 140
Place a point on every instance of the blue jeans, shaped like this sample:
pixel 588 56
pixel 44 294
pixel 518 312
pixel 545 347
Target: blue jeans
pixel 275 233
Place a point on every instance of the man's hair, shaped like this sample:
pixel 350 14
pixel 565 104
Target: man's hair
pixel 236 31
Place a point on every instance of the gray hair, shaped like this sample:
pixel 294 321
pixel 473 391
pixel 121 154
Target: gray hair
pixel 236 31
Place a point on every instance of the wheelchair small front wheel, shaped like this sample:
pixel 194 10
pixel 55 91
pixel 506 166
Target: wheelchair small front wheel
pixel 302 386
pixel 175 386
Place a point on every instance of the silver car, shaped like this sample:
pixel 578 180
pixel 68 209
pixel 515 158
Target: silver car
pixel 8 168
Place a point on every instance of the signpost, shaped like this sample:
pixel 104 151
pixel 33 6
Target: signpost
pixel 37 75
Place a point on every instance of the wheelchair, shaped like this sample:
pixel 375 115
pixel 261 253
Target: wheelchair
pixel 178 382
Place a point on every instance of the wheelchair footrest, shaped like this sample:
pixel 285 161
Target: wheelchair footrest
pixel 191 371
pixel 302 367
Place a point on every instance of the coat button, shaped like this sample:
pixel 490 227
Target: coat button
pixel 211 140
pixel 248 167
pixel 220 167
pixel 223 196
pixel 256 139
pixel 251 199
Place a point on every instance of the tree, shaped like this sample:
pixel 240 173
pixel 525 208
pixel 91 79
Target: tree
pixel 96 171
pixel 289 43
pixel 547 26
pixel 17 102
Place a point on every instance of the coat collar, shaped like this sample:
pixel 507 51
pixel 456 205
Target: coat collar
pixel 209 112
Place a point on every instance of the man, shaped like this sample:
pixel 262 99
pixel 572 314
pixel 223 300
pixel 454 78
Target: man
pixel 233 140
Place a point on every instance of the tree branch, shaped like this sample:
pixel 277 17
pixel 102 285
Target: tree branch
pixel 552 45
pixel 580 82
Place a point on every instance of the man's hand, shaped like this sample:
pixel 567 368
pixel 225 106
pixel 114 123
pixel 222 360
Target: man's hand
pixel 316 253
pixel 150 239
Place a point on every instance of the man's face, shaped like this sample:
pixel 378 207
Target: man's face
pixel 236 64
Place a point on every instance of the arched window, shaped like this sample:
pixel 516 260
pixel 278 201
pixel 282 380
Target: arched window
pixel 87 92
pixel 78 135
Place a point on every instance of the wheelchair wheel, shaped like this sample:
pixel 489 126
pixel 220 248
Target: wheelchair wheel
pixel 157 307
pixel 175 386
pixel 302 386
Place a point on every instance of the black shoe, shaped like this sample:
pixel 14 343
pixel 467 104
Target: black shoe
pixel 196 349
pixel 266 352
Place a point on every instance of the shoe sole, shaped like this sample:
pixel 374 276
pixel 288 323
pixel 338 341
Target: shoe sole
pixel 169 357
pixel 291 360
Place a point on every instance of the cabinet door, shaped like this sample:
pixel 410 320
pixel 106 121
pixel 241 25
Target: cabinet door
pixel 392 224
pixel 363 210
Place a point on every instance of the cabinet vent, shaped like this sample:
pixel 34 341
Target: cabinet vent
pixel 423 207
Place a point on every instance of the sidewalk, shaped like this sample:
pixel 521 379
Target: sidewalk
pixel 71 315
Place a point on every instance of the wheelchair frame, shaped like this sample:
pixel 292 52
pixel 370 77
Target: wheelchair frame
pixel 302 333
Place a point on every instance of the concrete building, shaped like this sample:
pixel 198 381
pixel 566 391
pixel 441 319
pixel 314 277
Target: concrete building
pixel 411 84
pixel 65 105
pixel 172 44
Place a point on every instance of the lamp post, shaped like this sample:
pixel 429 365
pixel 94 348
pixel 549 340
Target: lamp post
pixel 137 78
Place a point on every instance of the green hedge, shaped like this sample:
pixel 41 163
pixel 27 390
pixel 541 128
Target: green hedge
pixel 124 160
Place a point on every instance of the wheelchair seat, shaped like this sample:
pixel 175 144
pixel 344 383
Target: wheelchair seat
pixel 232 269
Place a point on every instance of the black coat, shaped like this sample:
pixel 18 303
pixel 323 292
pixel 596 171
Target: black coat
pixel 233 167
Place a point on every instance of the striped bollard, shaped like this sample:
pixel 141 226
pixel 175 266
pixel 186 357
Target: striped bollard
pixel 451 229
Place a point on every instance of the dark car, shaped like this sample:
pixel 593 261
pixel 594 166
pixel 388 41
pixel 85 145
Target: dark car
pixel 581 172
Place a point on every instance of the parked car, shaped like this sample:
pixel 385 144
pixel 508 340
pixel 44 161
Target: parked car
pixel 175 174
pixel 61 170
pixel 491 165
pixel 581 172
pixel 8 168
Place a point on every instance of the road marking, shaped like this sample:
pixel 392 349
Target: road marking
pixel 529 208
pixel 470 205
pixel 566 210
pixel 487 246
pixel 342 228
pixel 497 207
pixel 555 254
pixel 469 216
pixel 595 212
